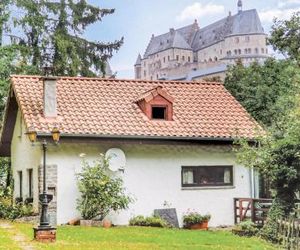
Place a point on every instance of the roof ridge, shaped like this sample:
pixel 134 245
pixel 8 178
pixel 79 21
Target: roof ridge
pixel 119 80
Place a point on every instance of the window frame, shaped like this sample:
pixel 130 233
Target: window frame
pixel 207 185
pixel 165 107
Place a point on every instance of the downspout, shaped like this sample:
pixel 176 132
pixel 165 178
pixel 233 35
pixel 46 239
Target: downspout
pixel 252 182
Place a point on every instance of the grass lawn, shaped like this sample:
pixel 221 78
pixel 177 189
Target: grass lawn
pixel 70 237
pixel 6 242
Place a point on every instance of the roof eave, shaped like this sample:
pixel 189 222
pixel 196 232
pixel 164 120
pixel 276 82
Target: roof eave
pixel 144 137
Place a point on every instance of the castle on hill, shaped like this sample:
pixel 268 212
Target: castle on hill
pixel 193 53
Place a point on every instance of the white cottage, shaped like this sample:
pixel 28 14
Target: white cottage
pixel 177 138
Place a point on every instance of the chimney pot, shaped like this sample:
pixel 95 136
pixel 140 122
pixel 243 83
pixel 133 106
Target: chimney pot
pixel 50 98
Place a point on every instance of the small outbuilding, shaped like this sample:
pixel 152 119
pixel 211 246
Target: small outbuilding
pixel 177 138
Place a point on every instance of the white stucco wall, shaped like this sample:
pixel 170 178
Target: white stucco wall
pixel 24 156
pixel 152 176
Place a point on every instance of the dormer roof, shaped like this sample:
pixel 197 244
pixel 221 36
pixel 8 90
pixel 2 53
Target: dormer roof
pixel 151 94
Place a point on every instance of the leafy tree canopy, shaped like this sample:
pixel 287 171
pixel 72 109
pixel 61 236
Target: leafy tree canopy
pixel 285 37
pixel 271 94
pixel 265 90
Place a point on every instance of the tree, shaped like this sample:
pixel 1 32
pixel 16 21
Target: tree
pixel 277 157
pixel 285 37
pixel 53 37
pixel 4 15
pixel 270 92
pixel 264 90
pixel 101 191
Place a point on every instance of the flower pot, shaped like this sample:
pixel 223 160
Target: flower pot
pixel 90 223
pixel 200 226
pixel 106 223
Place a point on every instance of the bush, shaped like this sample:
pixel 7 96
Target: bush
pixel 11 211
pixel 151 221
pixel 246 228
pixel 101 192
pixel 192 218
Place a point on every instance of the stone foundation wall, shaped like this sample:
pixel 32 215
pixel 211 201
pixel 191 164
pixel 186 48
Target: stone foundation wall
pixel 51 182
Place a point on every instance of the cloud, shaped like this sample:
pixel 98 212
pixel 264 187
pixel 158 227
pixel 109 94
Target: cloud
pixel 198 10
pixel 288 3
pixel 268 16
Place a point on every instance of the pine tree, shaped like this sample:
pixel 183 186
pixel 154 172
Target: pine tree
pixel 53 37
pixel 4 15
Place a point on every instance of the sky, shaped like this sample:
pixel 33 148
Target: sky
pixel 137 20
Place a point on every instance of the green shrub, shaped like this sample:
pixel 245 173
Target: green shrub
pixel 11 211
pixel 151 221
pixel 101 192
pixel 192 218
pixel 246 228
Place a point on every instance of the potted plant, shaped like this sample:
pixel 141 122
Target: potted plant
pixel 194 220
pixel 101 193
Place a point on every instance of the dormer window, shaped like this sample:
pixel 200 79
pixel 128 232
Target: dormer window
pixel 158 112
pixel 157 104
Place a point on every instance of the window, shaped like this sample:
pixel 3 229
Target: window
pixel 20 175
pixel 145 73
pixel 168 58
pixel 30 183
pixel 202 176
pixel 247 38
pixel 256 50
pixel 246 51
pixel 164 59
pixel 177 58
pixel 189 59
pixel 159 112
pixel 237 40
pixel 262 50
pixel 183 58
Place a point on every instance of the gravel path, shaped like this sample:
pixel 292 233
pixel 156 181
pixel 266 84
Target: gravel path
pixel 21 240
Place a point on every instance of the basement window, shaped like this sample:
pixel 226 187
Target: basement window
pixel 159 113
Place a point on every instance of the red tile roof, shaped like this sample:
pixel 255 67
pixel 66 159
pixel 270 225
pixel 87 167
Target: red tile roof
pixel 107 107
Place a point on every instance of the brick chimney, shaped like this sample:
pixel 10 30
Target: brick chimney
pixel 50 99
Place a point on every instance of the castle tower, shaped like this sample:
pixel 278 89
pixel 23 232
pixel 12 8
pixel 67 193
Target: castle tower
pixel 138 67
pixel 240 6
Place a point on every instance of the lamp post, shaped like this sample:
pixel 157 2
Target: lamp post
pixel 44 228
